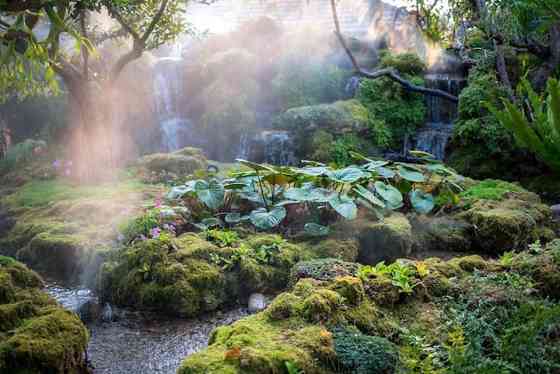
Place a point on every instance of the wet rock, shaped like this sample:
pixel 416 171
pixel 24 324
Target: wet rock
pixel 257 302
pixel 556 212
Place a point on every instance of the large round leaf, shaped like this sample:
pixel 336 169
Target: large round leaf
pixel 390 194
pixel 314 229
pixel 299 194
pixel 421 201
pixel 411 174
pixel 232 217
pixel 344 206
pixel 385 172
pixel 350 174
pixel 255 166
pixel 314 171
pixel 368 196
pixel 265 220
pixel 210 193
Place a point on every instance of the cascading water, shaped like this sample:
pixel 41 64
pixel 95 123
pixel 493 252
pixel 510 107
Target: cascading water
pixel 441 113
pixel 273 147
pixel 168 90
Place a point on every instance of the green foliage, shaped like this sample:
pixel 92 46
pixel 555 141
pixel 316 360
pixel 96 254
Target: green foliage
pixel 401 275
pixel 361 354
pixel 489 189
pixel 405 63
pixel 538 127
pixel 223 238
pixel 303 83
pixel 399 111
pixel 20 154
pixel 376 185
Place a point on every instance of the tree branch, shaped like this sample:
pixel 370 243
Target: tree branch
pixel 389 72
pixel 155 21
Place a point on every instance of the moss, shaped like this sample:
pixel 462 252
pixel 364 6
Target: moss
pixel 448 269
pixel 36 334
pixel 351 288
pixel 254 346
pixel 442 234
pixel 323 269
pixel 490 189
pixel 343 249
pixel 175 163
pixel 321 305
pixel 187 276
pixel 384 241
pixel 284 306
pixel 382 291
pixel 471 263
pixel 54 253
pixel 405 63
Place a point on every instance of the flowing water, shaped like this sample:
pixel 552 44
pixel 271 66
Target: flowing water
pixel 270 146
pixel 124 341
pixel 441 113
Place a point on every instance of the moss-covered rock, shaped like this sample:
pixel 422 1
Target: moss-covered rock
pixel 384 241
pixel 56 254
pixel 36 334
pixel 323 269
pixel 443 234
pixel 182 162
pixel 188 275
pixel 505 216
pixel 343 249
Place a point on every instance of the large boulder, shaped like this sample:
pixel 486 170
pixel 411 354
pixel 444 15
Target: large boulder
pixel 182 162
pixel 505 217
pixel 36 334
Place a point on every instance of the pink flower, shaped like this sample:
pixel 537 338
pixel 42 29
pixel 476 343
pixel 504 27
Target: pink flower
pixel 155 232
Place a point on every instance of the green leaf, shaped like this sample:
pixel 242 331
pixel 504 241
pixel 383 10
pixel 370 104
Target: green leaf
pixel 390 194
pixel 367 195
pixel 374 165
pixel 267 220
pixel 314 171
pixel 314 229
pixel 210 193
pixel 344 206
pixel 421 201
pixel 235 186
pixel 299 194
pixel 411 174
pixel 347 175
pixel 255 166
pixel 385 172
pixel 422 154
pixel 232 218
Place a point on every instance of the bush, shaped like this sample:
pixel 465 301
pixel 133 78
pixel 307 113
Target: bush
pixel 363 354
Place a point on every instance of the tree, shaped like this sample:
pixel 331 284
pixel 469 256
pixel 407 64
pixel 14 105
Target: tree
pixel 32 61
pixel 390 73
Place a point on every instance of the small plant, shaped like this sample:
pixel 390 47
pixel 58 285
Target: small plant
pixel 536 247
pixel 223 238
pixel 292 368
pixel 401 275
pixel 507 258
pixel 422 269
pixel 536 125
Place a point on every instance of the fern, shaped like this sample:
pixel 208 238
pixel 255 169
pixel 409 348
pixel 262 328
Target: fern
pixel 536 126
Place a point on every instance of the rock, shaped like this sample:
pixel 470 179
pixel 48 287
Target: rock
pixel 182 162
pixel 384 241
pixel 257 302
pixel 556 212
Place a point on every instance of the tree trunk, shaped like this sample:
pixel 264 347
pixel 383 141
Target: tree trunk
pixel 545 71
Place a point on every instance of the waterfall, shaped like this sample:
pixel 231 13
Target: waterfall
pixel 272 147
pixel 441 113
pixel 168 90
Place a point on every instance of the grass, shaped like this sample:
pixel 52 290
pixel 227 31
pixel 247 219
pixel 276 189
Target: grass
pixel 38 194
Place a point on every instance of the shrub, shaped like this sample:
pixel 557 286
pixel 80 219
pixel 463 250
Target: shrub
pixel 361 353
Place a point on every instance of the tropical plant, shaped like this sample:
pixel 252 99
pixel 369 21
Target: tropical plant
pixel 380 186
pixel 535 124
pixel 401 275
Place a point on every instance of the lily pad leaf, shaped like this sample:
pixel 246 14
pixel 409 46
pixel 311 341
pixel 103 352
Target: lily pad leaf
pixel 421 201
pixel 266 220
pixel 411 174
pixel 344 206
pixel 390 194
pixel 314 229
pixel 385 172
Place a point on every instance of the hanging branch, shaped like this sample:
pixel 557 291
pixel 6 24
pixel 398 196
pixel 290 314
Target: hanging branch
pixel 390 73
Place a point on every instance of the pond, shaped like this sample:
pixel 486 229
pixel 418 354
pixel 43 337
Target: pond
pixel 124 341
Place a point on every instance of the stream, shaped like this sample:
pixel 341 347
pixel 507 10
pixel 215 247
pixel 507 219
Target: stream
pixel 124 341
